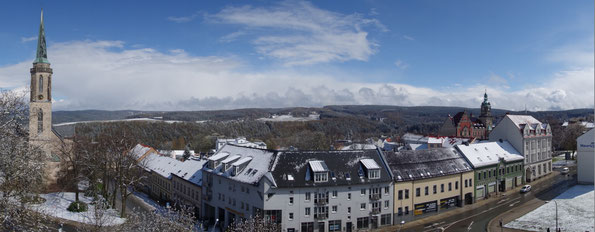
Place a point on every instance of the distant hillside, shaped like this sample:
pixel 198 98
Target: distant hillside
pixel 356 122
pixel 409 115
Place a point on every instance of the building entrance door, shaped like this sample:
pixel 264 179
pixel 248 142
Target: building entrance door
pixel 349 226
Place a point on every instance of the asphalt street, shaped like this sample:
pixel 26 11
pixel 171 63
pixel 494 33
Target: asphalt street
pixel 478 219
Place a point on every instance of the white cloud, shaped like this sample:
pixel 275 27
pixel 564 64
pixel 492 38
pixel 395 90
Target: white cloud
pixel 182 19
pixel 408 37
pixel 402 65
pixel 298 33
pixel 27 39
pixel 109 75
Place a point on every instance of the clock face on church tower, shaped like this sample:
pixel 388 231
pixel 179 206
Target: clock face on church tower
pixel 40 97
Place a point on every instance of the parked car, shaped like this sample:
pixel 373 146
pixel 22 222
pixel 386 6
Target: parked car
pixel 526 188
pixel 565 170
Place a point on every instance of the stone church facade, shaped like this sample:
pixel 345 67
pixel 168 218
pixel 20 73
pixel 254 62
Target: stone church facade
pixel 464 125
pixel 41 133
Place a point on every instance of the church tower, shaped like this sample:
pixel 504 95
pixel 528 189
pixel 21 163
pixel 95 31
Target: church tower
pixel 486 112
pixel 40 103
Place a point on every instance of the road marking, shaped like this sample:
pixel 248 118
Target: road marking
pixel 514 203
pixel 482 212
pixel 469 228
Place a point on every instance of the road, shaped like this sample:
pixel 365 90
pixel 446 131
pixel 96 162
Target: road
pixel 477 219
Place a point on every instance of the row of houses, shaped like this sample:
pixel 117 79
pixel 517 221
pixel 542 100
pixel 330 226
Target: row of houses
pixel 345 190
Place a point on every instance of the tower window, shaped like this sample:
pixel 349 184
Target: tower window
pixel 39 121
pixel 40 84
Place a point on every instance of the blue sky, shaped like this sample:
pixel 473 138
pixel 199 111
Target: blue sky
pixel 192 55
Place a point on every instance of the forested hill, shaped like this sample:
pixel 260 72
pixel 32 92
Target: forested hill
pixel 330 123
pixel 411 115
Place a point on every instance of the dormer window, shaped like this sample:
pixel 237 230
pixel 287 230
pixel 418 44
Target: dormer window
pixel 320 176
pixel 320 170
pixel 372 168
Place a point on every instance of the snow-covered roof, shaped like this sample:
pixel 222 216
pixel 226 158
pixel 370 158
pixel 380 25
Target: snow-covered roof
pixel 489 153
pixel 435 139
pixel 521 120
pixel 242 161
pixel 417 146
pixel 359 146
pixel 318 166
pixel 161 165
pixel 257 166
pixel 414 138
pixel 370 164
pixel 190 170
pixel 219 156
pixel 139 150
pixel 230 159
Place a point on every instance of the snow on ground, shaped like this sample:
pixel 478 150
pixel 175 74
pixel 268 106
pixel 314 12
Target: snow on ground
pixel 290 118
pixel 575 212
pixel 56 204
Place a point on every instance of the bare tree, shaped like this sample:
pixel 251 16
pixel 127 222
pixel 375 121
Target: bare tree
pixel 256 223
pixel 178 221
pixel 21 166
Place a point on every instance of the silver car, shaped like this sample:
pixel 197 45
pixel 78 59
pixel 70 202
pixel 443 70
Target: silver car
pixel 526 188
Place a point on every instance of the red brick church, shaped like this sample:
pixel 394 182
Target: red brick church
pixel 463 124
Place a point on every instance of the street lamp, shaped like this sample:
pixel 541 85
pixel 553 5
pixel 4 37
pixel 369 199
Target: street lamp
pixel 556 203
pixel 402 223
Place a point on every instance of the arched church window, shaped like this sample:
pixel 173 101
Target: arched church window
pixel 39 121
pixel 40 84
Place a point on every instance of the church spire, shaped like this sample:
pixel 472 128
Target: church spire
pixel 42 55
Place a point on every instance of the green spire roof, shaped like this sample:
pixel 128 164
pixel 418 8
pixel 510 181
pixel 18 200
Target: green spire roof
pixel 42 54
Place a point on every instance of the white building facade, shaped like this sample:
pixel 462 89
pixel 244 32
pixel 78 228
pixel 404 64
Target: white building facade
pixel 532 138
pixel 239 141
pixel 299 190
pixel 585 157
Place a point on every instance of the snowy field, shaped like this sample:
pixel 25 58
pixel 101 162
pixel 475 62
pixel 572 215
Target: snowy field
pixel 289 118
pixel 575 212
pixel 56 204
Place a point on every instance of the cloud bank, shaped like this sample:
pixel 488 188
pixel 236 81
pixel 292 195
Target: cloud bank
pixel 109 75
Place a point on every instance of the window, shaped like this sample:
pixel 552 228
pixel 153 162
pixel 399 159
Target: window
pixel 417 192
pixel 348 209
pixel 334 194
pixel 362 206
pixel 362 223
pixel 400 195
pixel 290 230
pixel 247 190
pixel 307 227
pixel 363 192
pixel 348 196
pixel 456 184
pixel 39 121
pixel 465 183
pixel 385 219
pixel 399 211
pixel 470 183
pixel 307 196
pixel 485 175
pixel 290 216
pixel 406 209
pixel 449 186
pixel 334 209
pixel 307 212
pixel 441 188
pixel 386 190
pixel 374 174
pixel 334 225
pixel 406 193
pixel 320 177
pixel 291 200
pixel 427 188
pixel 40 84
pixel 386 204
pixel 434 189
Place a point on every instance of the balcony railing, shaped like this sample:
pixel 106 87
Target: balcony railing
pixel 321 216
pixel 321 201
pixel 375 197
pixel 375 211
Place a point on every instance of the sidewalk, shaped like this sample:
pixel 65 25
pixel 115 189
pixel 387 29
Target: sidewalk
pixel 442 216
pixel 511 215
